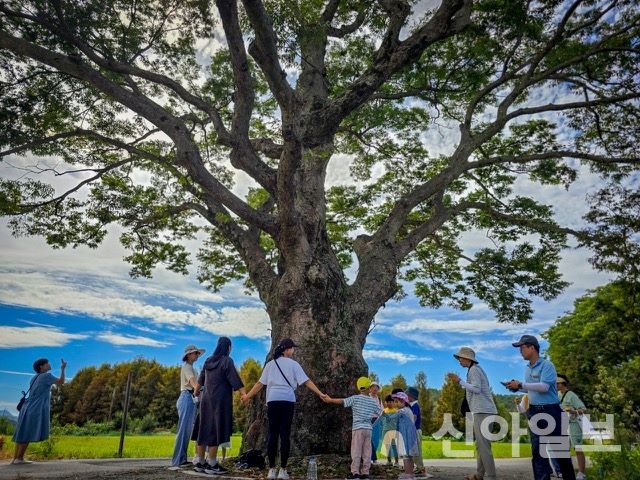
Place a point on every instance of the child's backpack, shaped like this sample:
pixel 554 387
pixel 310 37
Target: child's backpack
pixel 251 459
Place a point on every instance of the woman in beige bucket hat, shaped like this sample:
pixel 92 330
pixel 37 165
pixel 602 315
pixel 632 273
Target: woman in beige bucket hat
pixel 482 408
pixel 186 405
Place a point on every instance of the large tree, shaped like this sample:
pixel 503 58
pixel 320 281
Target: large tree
pixel 155 108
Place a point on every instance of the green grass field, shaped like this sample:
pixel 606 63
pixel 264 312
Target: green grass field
pixel 157 446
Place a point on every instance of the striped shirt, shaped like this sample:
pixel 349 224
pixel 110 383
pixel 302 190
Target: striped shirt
pixel 364 409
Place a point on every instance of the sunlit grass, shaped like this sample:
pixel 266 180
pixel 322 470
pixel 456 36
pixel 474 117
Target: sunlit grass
pixel 160 446
pixel 106 446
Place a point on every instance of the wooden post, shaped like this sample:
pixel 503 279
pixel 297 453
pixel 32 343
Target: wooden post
pixel 124 414
pixel 113 400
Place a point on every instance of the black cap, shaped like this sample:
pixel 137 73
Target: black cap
pixel 286 343
pixel 527 340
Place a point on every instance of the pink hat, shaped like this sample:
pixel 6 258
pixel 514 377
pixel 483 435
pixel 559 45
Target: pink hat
pixel 401 396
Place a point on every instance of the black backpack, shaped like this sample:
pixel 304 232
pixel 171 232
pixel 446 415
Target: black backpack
pixel 251 459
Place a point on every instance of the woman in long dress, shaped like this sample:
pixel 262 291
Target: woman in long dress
pixel 34 418
pixel 220 379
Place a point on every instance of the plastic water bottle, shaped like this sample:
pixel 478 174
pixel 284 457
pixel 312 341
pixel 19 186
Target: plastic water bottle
pixel 312 469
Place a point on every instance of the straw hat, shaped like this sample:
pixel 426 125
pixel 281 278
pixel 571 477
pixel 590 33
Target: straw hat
pixel 466 352
pixel 191 349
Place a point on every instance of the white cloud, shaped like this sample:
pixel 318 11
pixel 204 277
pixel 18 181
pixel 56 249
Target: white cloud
pixel 251 322
pixel 453 326
pixel 127 340
pixel 22 337
pixel 11 372
pixel 120 300
pixel 397 357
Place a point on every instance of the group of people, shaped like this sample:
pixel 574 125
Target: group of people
pixel 205 413
pixel 205 407
pixel 553 413
pixel 211 391
pixel 548 404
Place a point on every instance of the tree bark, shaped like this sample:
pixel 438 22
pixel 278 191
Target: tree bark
pixel 313 311
pixel 310 303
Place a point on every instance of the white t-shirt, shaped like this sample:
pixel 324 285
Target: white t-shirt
pixel 277 386
pixel 187 372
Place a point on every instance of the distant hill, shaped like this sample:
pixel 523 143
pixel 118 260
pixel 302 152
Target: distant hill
pixel 9 416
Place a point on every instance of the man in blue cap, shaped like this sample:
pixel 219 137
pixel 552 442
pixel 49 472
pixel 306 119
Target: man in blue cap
pixel 540 385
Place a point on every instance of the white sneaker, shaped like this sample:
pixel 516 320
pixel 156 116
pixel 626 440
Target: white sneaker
pixel 283 475
pixel 272 474
pixel 581 476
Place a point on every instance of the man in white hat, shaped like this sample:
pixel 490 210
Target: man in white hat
pixel 482 408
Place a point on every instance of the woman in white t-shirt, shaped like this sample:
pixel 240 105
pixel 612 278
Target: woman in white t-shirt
pixel 186 405
pixel 282 375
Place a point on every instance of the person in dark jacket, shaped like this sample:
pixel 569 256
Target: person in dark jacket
pixel 220 379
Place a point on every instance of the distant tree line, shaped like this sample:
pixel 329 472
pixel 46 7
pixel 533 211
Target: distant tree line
pixel 96 395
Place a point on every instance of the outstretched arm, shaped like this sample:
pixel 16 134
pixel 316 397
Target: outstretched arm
pixel 328 399
pixel 312 386
pixel 245 397
pixel 63 366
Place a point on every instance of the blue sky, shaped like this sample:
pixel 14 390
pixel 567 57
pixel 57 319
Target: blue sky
pixel 82 306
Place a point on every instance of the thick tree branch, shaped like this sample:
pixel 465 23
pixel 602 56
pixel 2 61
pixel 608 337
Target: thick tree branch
pixel 344 30
pixel 242 154
pixel 526 221
pixel 172 126
pixel 451 17
pixel 535 157
pixel 557 107
pixel 264 50
pixel 79 132
pixel 243 157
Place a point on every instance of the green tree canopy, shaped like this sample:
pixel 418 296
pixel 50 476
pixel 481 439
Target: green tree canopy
pixel 449 402
pixel 152 111
pixel 597 346
pixel 97 394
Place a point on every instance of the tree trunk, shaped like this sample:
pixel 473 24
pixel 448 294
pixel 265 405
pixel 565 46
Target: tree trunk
pixel 308 301
pixel 312 310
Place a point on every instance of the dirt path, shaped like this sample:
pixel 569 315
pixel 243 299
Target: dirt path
pixel 156 469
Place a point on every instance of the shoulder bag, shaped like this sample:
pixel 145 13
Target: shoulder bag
pixel 24 394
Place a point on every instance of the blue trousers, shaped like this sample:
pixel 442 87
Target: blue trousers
pixel 541 467
pixel 186 417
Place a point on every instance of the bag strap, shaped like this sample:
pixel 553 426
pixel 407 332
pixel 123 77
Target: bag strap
pixel 285 377
pixel 24 394
pixel 563 395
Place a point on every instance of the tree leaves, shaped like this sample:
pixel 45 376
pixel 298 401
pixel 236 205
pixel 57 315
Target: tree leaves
pixel 157 115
